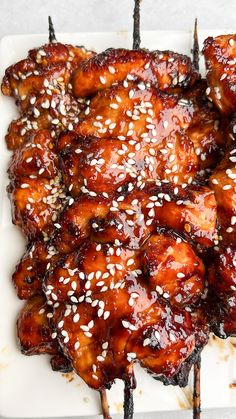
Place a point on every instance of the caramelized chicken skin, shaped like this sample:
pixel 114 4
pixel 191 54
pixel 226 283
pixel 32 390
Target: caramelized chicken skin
pixel 36 158
pixel 53 62
pixel 164 69
pixel 169 266
pixel 219 56
pixel 103 294
pixel 34 332
pixel 134 214
pixel 36 204
pixel 130 132
pixel 115 208
pixel 41 87
pixel 136 111
pixel 30 271
pixel 222 282
pixel 173 269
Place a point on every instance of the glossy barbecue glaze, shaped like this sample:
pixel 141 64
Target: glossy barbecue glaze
pixel 220 56
pixel 108 182
pixel 134 214
pixel 164 69
pixel 220 53
pixel 222 282
pixel 41 87
pixel 121 315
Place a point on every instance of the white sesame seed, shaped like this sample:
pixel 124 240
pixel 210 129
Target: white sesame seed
pixel 114 106
pixel 226 187
pixel 146 342
pixel 180 275
pixel 125 324
pixel 102 80
pixel 76 318
pixel 111 69
pixel 106 315
pixel 76 345
pixel 157 335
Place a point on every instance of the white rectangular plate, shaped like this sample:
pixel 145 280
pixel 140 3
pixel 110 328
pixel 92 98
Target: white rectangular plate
pixel 28 387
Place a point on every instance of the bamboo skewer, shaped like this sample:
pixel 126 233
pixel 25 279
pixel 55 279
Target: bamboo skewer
pixel 104 404
pixel 51 31
pixel 128 401
pixel 197 365
pixel 195 50
pixel 103 394
pixel 136 27
pixel 197 389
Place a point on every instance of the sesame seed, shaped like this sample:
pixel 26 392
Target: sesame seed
pixel 76 318
pixel 114 106
pixel 106 315
pixel 233 220
pixel 165 124
pixel 131 94
pixel 159 290
pixel 111 69
pixel 146 342
pixel 180 275
pixel 157 335
pixel 102 80
pixel 125 324
pixel 223 76
pixel 76 345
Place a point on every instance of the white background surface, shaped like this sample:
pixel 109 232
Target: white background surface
pixel 30 16
pixel 25 16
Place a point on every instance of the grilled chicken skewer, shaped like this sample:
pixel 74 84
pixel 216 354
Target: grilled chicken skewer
pixel 106 229
pixel 197 365
pixel 220 57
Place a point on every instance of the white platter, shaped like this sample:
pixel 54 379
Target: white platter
pixel 28 387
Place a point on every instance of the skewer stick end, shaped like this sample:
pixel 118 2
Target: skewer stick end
pixel 51 31
pixel 195 49
pixel 197 389
pixel 104 404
